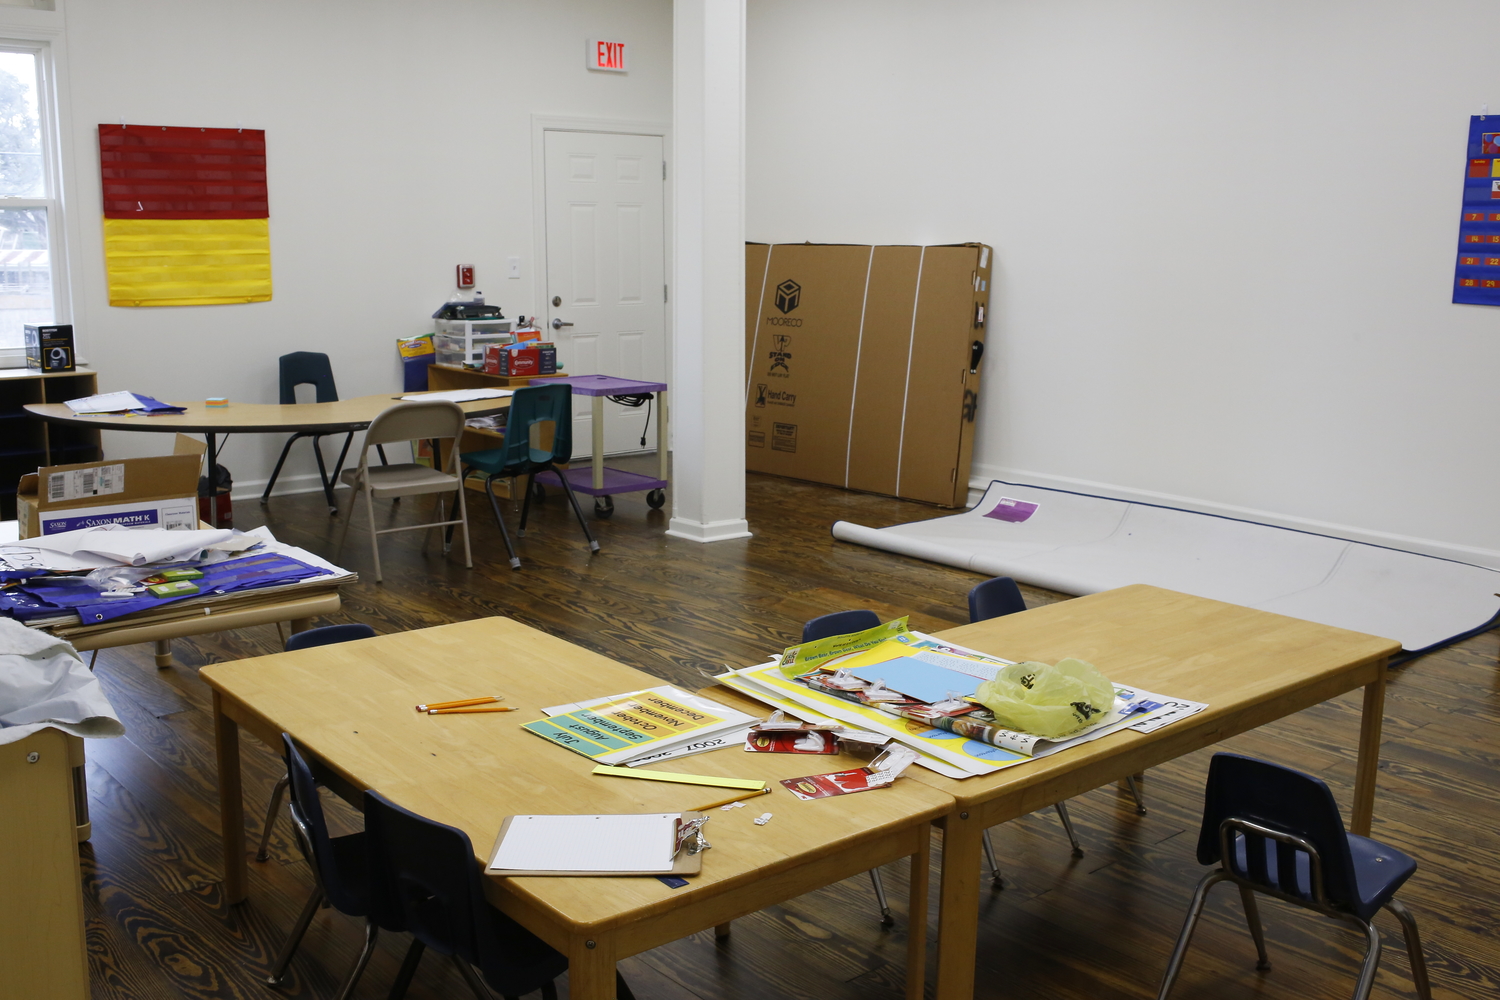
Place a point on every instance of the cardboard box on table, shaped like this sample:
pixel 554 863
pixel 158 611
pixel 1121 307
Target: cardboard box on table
pixel 160 492
pixel 864 365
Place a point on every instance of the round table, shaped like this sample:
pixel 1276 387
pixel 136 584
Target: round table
pixel 255 418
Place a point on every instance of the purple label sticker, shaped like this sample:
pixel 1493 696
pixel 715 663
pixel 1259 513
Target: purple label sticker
pixel 1012 510
pixel 148 518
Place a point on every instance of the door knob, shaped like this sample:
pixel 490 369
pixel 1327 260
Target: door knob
pixel 558 324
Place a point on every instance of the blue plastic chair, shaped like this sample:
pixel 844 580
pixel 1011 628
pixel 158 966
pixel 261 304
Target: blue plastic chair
pixel 994 599
pixel 1277 831
pixel 304 640
pixel 309 368
pixel 427 877
pixel 534 412
pixel 839 623
pixel 341 871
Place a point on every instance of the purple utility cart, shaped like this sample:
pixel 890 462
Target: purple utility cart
pixel 596 480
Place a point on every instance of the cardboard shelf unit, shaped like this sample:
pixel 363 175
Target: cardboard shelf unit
pixel 28 443
pixel 864 365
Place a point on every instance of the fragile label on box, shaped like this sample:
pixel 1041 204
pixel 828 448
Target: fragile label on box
pixel 98 481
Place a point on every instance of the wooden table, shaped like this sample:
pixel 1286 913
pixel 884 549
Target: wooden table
pixel 1251 667
pixel 352 706
pixel 253 418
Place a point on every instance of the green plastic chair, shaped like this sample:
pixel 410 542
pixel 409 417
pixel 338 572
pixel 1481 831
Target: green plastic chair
pixel 535 411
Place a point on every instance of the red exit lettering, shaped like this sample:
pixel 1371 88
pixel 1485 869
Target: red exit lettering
pixel 606 55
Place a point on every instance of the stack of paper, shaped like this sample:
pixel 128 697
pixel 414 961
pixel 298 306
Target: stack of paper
pixel 926 668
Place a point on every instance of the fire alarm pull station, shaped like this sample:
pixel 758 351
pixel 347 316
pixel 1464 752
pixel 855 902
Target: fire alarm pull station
pixel 466 276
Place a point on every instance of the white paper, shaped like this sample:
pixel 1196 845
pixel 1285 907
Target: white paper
pixel 733 738
pixel 589 844
pixel 105 402
pixel 461 395
pixel 75 483
pixel 117 546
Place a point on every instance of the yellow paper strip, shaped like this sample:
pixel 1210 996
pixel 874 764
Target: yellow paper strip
pixel 750 784
pixel 162 262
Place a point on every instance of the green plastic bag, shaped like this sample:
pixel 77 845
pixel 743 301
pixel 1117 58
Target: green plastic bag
pixel 1047 701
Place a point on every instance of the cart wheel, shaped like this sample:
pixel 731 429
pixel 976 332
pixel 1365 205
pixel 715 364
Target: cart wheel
pixel 656 498
pixel 538 492
pixel 604 508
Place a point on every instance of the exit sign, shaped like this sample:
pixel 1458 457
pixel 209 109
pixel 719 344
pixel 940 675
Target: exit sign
pixel 604 55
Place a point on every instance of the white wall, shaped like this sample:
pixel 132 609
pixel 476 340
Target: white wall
pixel 1225 235
pixel 399 145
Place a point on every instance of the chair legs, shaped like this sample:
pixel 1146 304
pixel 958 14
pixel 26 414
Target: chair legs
pixel 476 985
pixel 577 511
pixel 289 948
pixel 407 971
pixel 371 933
pixel 323 476
pixel 510 548
pixel 1252 917
pixel 989 856
pixel 1135 793
pixel 1195 910
pixel 374 533
pixel 886 920
pixel 1413 948
pixel 272 809
pixel 1367 969
pixel 1067 822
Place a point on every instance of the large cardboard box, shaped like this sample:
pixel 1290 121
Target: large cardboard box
pixel 159 492
pixel 864 365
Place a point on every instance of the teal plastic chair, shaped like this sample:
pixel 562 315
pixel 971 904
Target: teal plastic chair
pixel 534 412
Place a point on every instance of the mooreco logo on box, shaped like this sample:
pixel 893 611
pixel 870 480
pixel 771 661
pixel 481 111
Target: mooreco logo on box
pixel 788 297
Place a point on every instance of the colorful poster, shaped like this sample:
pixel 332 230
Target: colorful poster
pixel 1476 276
pixel 620 728
pixel 186 215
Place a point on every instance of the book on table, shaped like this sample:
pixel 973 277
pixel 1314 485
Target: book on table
pixel 619 728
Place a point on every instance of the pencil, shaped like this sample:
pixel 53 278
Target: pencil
pixel 735 798
pixel 461 711
pixel 460 703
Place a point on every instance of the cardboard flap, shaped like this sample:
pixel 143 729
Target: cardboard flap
pixel 163 477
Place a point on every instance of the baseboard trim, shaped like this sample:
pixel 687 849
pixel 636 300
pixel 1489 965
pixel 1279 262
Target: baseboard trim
pixel 251 489
pixel 711 531
pixel 980 480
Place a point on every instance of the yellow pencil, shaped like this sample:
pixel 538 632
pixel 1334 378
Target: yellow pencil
pixel 736 798
pixel 460 703
pixel 461 711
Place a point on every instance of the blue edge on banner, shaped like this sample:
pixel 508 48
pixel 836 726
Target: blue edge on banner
pixel 1476 276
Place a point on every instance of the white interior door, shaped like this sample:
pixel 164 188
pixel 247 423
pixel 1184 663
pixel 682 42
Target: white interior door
pixel 606 271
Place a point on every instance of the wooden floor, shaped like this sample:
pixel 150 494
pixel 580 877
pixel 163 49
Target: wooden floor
pixel 1098 927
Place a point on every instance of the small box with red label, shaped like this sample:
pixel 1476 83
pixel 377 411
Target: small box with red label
pixel 521 360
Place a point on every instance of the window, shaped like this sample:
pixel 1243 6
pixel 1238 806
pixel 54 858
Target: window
pixel 28 199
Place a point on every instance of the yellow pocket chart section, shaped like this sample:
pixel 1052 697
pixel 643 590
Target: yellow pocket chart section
pixel 187 262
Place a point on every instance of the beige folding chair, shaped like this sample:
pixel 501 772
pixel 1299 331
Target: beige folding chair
pixel 435 420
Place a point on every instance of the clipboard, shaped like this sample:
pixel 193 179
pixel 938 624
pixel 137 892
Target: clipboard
pixel 683 864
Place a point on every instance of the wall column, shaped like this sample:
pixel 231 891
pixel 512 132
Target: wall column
pixel 708 270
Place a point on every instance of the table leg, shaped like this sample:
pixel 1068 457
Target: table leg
pixel 958 907
pixel 1363 811
pixel 231 802
pixel 663 441
pixel 916 916
pixel 213 460
pixel 598 463
pixel 300 625
pixel 163 653
pixel 591 969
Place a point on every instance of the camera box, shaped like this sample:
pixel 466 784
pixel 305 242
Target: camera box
pixel 50 348
pixel 160 492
